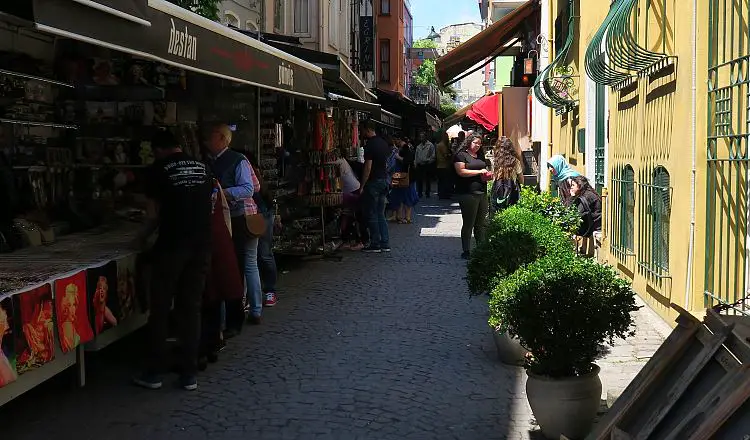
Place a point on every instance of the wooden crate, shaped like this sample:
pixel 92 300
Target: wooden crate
pixel 695 387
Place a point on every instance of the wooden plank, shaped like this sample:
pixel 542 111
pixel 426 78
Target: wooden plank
pixel 685 379
pixel 675 344
pixel 738 345
pixel 707 404
pixel 619 434
pixel 730 402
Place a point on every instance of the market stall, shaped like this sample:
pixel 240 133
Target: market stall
pixel 83 86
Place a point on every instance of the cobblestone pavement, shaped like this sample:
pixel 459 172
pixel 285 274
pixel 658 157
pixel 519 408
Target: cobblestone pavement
pixel 374 347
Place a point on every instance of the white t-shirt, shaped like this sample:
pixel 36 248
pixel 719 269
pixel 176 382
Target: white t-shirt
pixel 348 179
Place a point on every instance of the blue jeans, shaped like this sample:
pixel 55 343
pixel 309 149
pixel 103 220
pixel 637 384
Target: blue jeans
pixel 266 260
pixel 375 194
pixel 246 248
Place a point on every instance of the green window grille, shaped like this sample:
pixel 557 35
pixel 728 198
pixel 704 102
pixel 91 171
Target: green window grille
pixel 654 208
pixel 623 213
pixel 728 126
pixel 600 138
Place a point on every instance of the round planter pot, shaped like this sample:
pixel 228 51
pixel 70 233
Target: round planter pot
pixel 509 349
pixel 565 406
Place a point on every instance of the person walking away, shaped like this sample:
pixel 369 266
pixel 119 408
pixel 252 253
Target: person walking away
pixel 350 188
pixel 507 175
pixel 405 197
pixel 179 191
pixel 443 157
pixel 266 259
pixel 375 188
pixel 561 175
pixel 589 205
pixel 223 282
pixel 424 164
pixel 471 188
pixel 236 176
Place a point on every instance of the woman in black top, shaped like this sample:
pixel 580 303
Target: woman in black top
pixel 471 188
pixel 589 206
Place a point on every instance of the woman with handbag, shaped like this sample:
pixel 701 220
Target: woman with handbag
pixel 223 282
pixel 404 188
pixel 350 188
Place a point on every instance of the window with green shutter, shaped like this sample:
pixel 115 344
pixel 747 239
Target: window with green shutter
pixel 623 212
pixel 654 207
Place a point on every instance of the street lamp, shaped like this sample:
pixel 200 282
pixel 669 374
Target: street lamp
pixel 433 35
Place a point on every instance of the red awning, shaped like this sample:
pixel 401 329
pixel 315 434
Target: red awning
pixel 486 44
pixel 485 112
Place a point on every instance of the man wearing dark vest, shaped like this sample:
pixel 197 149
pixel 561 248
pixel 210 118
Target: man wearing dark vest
pixel 238 182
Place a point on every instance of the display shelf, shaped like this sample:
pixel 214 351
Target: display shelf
pixel 34 78
pixel 38 124
pixel 36 377
pixel 128 326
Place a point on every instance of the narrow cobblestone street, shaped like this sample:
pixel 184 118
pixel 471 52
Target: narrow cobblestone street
pixel 373 347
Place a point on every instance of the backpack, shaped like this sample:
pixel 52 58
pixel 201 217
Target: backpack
pixel 505 193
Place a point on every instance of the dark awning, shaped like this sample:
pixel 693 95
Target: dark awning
pixel 343 101
pixel 336 73
pixel 485 45
pixel 161 31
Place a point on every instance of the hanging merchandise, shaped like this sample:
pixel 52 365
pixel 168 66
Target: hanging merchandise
pixel 71 309
pixel 34 328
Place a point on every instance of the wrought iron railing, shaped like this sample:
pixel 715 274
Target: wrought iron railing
pixel 654 219
pixel 622 219
pixel 556 86
pixel 425 95
pixel 614 57
pixel 727 266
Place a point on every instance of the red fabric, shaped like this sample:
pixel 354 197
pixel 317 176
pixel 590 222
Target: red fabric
pixel 485 112
pixel 223 281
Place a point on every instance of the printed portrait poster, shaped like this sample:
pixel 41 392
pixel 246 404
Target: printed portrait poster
pixel 8 372
pixel 126 298
pixel 101 288
pixel 71 310
pixel 35 329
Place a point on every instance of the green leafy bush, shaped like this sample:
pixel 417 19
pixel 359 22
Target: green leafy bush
pixel 563 308
pixel 515 237
pixel 544 203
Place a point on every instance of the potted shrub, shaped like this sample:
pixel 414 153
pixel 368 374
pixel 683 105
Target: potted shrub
pixel 515 237
pixel 544 203
pixel 563 308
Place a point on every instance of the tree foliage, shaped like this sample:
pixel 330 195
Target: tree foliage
pixel 424 44
pixel 426 73
pixel 206 8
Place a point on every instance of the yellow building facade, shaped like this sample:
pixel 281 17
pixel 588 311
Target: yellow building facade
pixel 649 100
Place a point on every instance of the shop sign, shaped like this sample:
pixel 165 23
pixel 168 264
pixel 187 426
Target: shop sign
pixel 366 44
pixel 387 119
pixel 182 44
pixel 184 40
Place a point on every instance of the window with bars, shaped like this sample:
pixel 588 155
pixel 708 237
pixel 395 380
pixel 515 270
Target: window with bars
pixel 600 138
pixel 623 212
pixel 655 206
pixel 385 60
pixel 385 7
pixel 302 17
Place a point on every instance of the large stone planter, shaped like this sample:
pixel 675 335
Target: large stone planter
pixel 565 406
pixel 509 349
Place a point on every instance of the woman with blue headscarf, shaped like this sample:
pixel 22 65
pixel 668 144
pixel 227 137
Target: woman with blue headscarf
pixel 561 175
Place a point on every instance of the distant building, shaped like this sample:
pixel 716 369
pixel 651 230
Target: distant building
pixel 473 86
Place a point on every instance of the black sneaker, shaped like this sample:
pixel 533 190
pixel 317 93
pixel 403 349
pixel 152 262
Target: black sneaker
pixel 148 381
pixel 385 248
pixel 371 250
pixel 465 255
pixel 189 383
